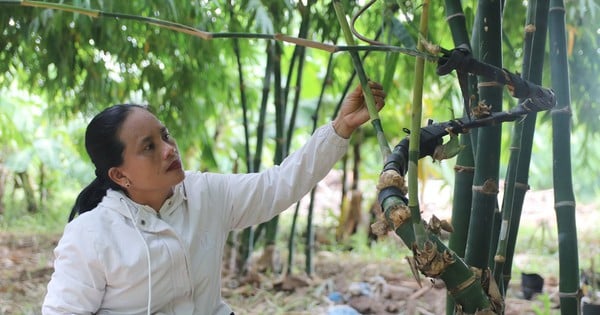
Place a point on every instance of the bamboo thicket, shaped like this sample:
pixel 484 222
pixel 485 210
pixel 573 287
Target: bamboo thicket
pixel 516 183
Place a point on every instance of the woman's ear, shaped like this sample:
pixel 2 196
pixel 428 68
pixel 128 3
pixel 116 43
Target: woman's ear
pixel 115 174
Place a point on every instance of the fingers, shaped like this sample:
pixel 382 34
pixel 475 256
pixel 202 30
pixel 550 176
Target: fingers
pixel 378 94
pixel 356 97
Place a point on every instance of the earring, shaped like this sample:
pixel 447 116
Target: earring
pixel 127 184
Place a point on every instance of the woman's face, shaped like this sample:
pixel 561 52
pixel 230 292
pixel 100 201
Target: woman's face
pixel 151 163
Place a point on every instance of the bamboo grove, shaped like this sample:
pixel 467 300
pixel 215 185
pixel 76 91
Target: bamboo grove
pixel 476 263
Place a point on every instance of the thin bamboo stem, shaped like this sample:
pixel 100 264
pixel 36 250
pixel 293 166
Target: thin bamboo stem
pixel 415 137
pixel 271 225
pixel 516 183
pixel 291 247
pixel 369 99
pixel 181 28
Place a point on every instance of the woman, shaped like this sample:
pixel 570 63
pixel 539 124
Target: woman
pixel 149 237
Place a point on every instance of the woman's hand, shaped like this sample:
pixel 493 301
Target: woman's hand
pixel 353 111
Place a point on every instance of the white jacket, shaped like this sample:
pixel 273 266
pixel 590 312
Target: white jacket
pixel 102 260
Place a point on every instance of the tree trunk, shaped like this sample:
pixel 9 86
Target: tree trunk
pixel 25 182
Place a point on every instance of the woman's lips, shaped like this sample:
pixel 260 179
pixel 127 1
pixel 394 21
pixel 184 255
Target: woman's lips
pixel 175 165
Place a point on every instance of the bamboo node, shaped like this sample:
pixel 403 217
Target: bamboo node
pixel 522 186
pixel 482 110
pixel 577 294
pixel 380 227
pixel 430 261
pixel 489 84
pixel 430 47
pixel 529 28
pixel 436 225
pixel 399 215
pixel 461 168
pixel 562 110
pixel 489 188
pixel 489 284
pixel 455 15
pixel 462 286
pixel 566 203
pixel 392 178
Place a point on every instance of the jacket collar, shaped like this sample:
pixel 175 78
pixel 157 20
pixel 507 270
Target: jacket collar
pixel 115 199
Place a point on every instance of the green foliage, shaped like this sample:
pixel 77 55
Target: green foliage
pixel 546 307
pixel 36 143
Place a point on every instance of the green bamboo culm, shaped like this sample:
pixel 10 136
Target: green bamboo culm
pixel 280 141
pixel 516 183
pixel 464 166
pixel 463 180
pixel 246 244
pixel 364 81
pixel 463 285
pixel 299 54
pixel 415 137
pixel 564 198
pixel 487 157
pixel 391 58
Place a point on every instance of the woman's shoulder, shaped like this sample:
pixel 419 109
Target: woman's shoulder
pixel 95 221
pixel 205 178
pixel 90 222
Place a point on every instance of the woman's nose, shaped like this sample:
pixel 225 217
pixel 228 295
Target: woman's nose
pixel 170 150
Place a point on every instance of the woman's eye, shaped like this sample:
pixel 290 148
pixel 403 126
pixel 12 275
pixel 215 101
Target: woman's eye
pixel 149 147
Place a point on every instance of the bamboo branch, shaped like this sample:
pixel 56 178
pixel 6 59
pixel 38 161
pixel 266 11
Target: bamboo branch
pixel 181 28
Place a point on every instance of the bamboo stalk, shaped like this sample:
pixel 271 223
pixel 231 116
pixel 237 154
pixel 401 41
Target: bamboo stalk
pixel 564 199
pixel 245 244
pixel 271 225
pixel 516 183
pixel 249 233
pixel 464 168
pixel 462 284
pixel 369 100
pixel 413 149
pixel 349 83
pixel 299 54
pixel 487 158
pixel 243 101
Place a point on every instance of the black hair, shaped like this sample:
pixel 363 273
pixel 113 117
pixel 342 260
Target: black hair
pixel 105 149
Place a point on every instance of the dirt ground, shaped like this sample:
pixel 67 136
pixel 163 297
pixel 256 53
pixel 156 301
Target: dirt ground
pixel 383 287
pixel 343 283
